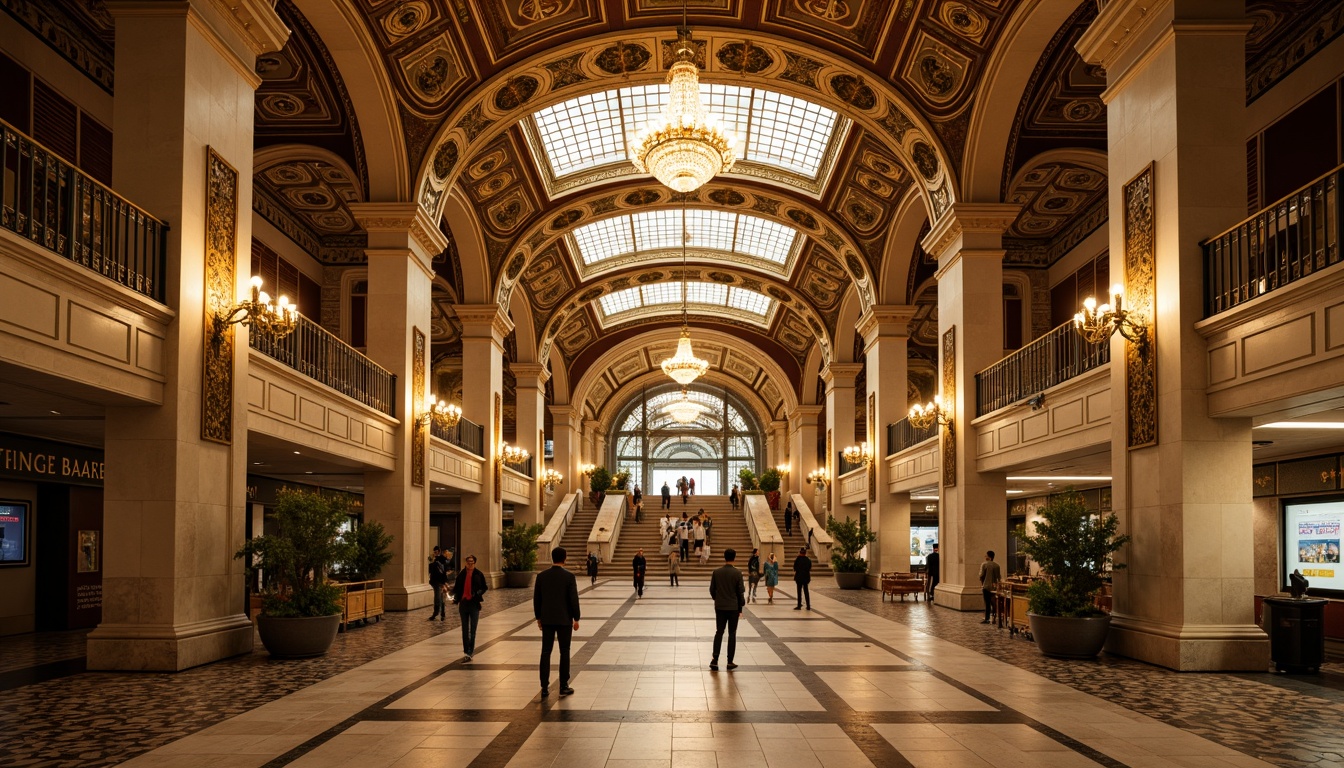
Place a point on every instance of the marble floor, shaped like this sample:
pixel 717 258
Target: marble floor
pixel 854 682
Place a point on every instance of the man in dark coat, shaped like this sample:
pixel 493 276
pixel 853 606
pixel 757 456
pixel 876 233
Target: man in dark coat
pixel 467 592
pixel 667 496
pixel 438 581
pixel 555 605
pixel 730 597
pixel 802 576
pixel 641 568
pixel 931 572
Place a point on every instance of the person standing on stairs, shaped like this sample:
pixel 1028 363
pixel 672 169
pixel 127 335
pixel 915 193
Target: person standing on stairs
pixel 788 519
pixel 673 570
pixel 667 496
pixel 708 523
pixel 802 577
pixel 734 498
pixel 641 567
pixel 684 536
pixel 690 484
pixel 753 573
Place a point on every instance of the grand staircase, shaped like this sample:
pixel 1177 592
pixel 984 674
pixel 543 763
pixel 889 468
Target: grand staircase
pixel 575 540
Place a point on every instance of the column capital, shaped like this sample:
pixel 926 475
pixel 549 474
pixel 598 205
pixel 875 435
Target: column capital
pixel 591 424
pixel 530 375
pixel 840 374
pixel 1125 30
pixel 804 416
pixel 970 226
pixel 564 416
pixel 400 226
pixel 885 320
pixel 481 321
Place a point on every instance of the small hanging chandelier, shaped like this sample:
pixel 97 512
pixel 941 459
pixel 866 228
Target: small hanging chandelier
pixel 684 367
pixel 683 411
pixel 686 146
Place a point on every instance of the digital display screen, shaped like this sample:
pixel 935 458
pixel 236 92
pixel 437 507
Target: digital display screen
pixel 13 533
pixel 1311 543
pixel 922 539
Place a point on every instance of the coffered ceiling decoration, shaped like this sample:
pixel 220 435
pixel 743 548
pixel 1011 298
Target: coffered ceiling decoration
pixel 1284 34
pixel 308 200
pixel 1053 194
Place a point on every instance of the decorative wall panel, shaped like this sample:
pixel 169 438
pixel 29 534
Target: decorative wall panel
pixel 1141 296
pixel 496 430
pixel 418 427
pixel 221 259
pixel 949 361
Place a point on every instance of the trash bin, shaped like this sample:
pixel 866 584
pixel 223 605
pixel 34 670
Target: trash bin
pixel 1296 633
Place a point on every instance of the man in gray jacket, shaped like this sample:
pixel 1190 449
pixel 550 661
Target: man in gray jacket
pixel 730 597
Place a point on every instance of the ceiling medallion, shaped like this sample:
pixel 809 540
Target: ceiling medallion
pixel 684 367
pixel 686 146
pixel 683 411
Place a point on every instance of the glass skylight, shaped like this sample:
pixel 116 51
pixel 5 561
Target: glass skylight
pixel 774 129
pixel 699 294
pixel 660 230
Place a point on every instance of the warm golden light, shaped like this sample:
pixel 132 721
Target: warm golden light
pixel 275 321
pixel 1096 324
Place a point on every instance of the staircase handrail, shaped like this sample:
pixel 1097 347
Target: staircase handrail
pixel 821 541
pixel 761 525
pixel 607 527
pixel 557 525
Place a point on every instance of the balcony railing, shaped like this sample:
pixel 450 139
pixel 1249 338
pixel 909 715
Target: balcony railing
pixel 843 467
pixel 55 205
pixel 1286 241
pixel 523 467
pixel 902 435
pixel 467 435
pixel 316 353
pixel 1054 358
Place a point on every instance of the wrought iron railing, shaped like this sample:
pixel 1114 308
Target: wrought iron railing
pixel 318 354
pixel 843 467
pixel 467 435
pixel 1285 242
pixel 1054 358
pixel 523 467
pixel 52 203
pixel 902 435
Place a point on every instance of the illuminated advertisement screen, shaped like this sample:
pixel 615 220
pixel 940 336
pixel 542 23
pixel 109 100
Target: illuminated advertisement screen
pixel 1311 544
pixel 13 533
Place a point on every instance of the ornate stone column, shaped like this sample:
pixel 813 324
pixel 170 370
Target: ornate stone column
pixel 484 327
pixel 403 242
pixel 974 511
pixel 886 331
pixel 839 381
pixel 530 406
pixel 568 449
pixel 1181 480
pixel 174 493
pixel 803 451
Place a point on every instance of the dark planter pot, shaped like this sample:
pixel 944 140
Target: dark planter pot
pixel 296 638
pixel 772 498
pixel 519 579
pixel 596 497
pixel 850 580
pixel 1065 638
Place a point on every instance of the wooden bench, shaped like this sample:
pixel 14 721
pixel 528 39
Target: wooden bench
pixel 896 583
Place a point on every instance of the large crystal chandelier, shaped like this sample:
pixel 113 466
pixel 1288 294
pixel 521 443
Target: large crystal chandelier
pixel 684 367
pixel 683 411
pixel 686 146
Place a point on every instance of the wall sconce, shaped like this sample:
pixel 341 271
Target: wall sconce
pixel 819 477
pixel 925 416
pixel 587 469
pixel 274 320
pixel 858 454
pixel 782 469
pixel 513 454
pixel 549 479
pixel 1097 323
pixel 444 414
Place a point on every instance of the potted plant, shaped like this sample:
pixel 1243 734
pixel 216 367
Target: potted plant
pixel 748 480
pixel 598 484
pixel 518 546
pixel 620 481
pixel 369 555
pixel 769 482
pixel 1074 549
pixel 300 610
pixel 849 537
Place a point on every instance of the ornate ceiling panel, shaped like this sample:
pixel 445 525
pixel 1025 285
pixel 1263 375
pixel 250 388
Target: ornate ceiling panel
pixel 866 194
pixel 315 192
pixel 1285 34
pixel 1053 194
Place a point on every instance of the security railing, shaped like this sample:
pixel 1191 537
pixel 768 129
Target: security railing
pixel 52 203
pixel 1054 358
pixel 467 435
pixel 1286 241
pixel 523 467
pixel 903 434
pixel 318 354
pixel 843 467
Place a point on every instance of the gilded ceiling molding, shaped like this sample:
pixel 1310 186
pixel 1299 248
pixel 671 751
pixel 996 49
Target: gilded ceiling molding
pixel 969 225
pixel 637 57
pixel 619 397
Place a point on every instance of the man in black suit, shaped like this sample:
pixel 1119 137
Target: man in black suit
pixel 641 567
pixel 555 605
pixel 931 572
pixel 802 576
pixel 730 597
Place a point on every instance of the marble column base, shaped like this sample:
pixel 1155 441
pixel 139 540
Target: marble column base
pixel 157 648
pixel 407 598
pixel 959 598
pixel 1191 648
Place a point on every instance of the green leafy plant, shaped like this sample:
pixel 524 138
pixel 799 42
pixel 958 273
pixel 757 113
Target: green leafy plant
pixel 600 480
pixel 770 480
pixel 294 561
pixel 620 480
pixel 1074 549
pixel 748 480
pixel 370 542
pixel 849 537
pixel 518 545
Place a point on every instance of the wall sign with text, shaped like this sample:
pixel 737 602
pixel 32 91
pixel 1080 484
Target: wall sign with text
pixel 13 533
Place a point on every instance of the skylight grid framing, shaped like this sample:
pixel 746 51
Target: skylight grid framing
pixel 764 239
pixel 604 239
pixel 749 301
pixel 793 133
pixel 661 231
pixel 662 293
pixel 575 136
pixel 707 294
pixel 621 301
pixel 716 230
pixel 657 230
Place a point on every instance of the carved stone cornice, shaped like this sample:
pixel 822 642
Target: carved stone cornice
pixel 840 374
pixel 400 225
pixel 255 22
pixel 564 416
pixel 530 375
pixel 885 320
pixel 804 416
pixel 970 225
pixel 484 321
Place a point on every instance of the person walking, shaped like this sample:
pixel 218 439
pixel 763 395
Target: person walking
pixel 797 519
pixel 734 498
pixel 708 522
pixel 684 537
pixel 699 534
pixel 788 519
pixel 438 581
pixel 771 579
pixel 753 573
pixel 641 567
pixel 468 590
pixel 725 587
pixel 802 576
pixel 555 606
pixel 667 496
pixel 637 497
pixel 592 568
pixel 673 570
pixel 685 492
pixel 690 486
pixel 989 582
pixel 931 572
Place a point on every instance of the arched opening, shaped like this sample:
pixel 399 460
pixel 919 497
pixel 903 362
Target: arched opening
pixel 724 438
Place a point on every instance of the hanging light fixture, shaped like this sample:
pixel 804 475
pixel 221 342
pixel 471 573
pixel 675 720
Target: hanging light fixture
pixel 683 411
pixel 686 146
pixel 684 367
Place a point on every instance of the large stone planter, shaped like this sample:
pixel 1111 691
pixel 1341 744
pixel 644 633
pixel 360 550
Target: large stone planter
pixel 850 580
pixel 772 498
pixel 296 638
pixel 1065 638
pixel 519 579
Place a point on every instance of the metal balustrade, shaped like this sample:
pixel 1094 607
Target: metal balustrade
pixel 318 354
pixel 467 435
pixel 1054 358
pixel 1286 241
pixel 54 204
pixel 523 467
pixel 843 467
pixel 902 435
